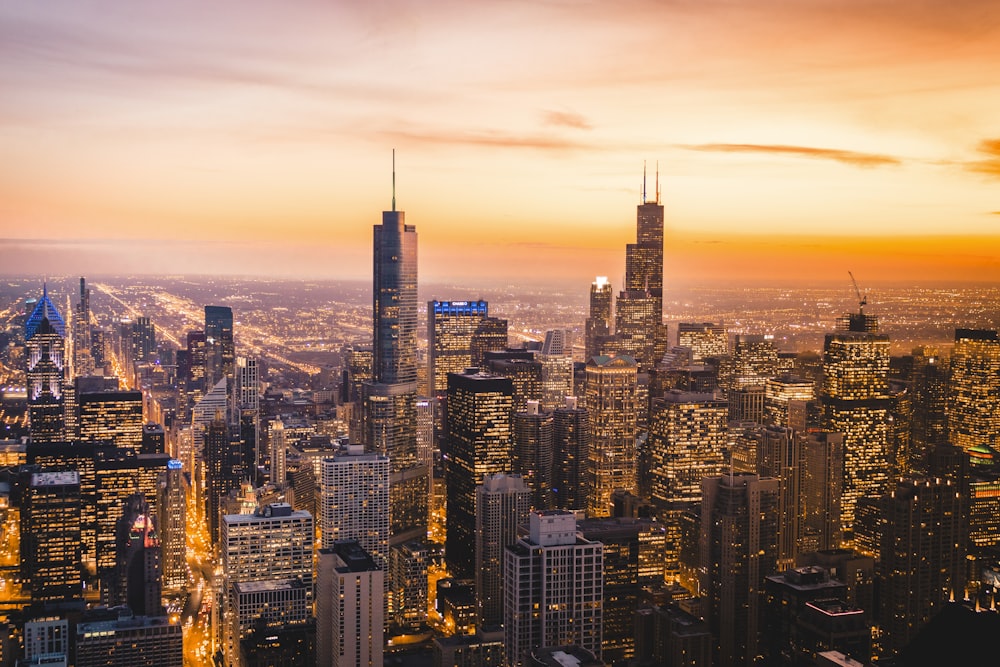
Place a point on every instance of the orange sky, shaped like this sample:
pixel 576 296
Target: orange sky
pixel 796 139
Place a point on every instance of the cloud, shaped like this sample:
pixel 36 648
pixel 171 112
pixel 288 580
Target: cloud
pixel 489 139
pixel 852 158
pixel 991 165
pixel 567 119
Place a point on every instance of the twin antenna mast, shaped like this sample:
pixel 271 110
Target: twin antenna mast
pixel 393 179
pixel 644 200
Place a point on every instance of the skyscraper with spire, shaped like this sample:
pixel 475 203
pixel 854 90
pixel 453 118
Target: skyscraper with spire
pixel 639 326
pixel 45 340
pixel 390 417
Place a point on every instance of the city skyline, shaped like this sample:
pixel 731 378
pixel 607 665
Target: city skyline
pixel 793 140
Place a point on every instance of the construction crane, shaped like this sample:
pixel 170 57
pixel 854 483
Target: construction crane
pixel 862 298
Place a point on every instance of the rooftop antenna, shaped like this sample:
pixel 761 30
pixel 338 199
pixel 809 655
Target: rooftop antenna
pixel 643 181
pixel 657 181
pixel 393 179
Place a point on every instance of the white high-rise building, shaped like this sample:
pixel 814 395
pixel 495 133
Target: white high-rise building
pixel 553 588
pixel 349 607
pixel 354 501
pixel 502 503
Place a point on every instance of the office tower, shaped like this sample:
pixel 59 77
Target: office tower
pixel 805 612
pixel 633 560
pixel 738 544
pixel 450 328
pixel 974 397
pixel 195 378
pixel 83 357
pixel 226 466
pixel 50 536
pixel 273 544
pixel 556 358
pixel 524 371
pixel 112 416
pixel 921 557
pixel 553 587
pixel 143 339
pixel 269 619
pixel 479 444
pixel 407 586
pixel 571 446
pixel 668 635
pixel 246 399
pixel 789 401
pixel 534 452
pixel 687 443
pixel 220 350
pixel 930 386
pixel 113 638
pixel 47 641
pixel 172 522
pixel 483 649
pixel 98 348
pixel 490 336
pixel 354 501
pixel 139 580
pixel 704 339
pixel 154 439
pixel 639 329
pixel 502 504
pixel 598 325
pixel 753 362
pixel 611 401
pixel 279 448
pixel 349 616
pixel 822 487
pixel 45 344
pixel 779 455
pixel 855 401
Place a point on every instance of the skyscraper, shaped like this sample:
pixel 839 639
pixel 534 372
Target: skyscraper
pixel 479 444
pixel 738 546
pixel 571 444
pixel 598 325
pixel 556 359
pixel 533 452
pixel 45 340
pixel 389 410
pixel 612 404
pixel 554 588
pixel 974 401
pixel 143 339
pixel 139 581
pixel 112 416
pixel 349 607
pixel 704 339
pixel 172 521
pixel 220 356
pixel 502 504
pixel 490 336
pixel 50 535
pixel 354 501
pixel 855 401
pixel 822 488
pixel 450 328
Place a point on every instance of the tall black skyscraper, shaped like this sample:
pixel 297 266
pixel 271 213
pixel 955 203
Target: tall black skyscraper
pixel 220 357
pixel 389 412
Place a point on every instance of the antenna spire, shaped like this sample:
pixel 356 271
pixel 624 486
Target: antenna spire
pixel 643 181
pixel 657 181
pixel 393 179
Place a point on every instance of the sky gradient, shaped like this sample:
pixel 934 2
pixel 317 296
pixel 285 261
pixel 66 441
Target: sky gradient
pixel 796 139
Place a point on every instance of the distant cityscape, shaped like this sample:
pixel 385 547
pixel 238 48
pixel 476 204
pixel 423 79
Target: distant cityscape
pixel 248 472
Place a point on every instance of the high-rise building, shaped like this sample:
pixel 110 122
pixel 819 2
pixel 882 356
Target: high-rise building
pixel 739 535
pixel 930 392
pixel 779 455
pixel 50 536
pixel 226 466
pixel 571 444
pixel 354 501
pixel 633 560
pixel 139 580
pixel 83 357
pixel 687 443
pixel 490 336
pixel 45 343
pixel 922 556
pixel 974 398
pixel 553 588
pixel 220 350
pixel 450 328
pixel 349 607
pixel 524 371
pixel 408 586
pixel 613 407
pixel 822 487
pixel 479 444
pixel 556 358
pixel 704 339
pixel 856 403
pixel 266 617
pixel 639 329
pixel 534 452
pixel 598 325
pixel 246 405
pixel 502 504
pixel 172 522
pixel 275 543
pixel 389 410
pixel 154 439
pixel 115 639
pixel 143 339
pixel 789 401
pixel 112 416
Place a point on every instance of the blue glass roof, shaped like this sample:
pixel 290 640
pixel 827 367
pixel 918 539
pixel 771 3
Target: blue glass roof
pixel 45 309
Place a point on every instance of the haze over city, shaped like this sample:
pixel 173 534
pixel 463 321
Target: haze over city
pixel 793 140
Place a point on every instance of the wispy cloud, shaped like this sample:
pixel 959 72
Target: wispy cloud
pixel 991 164
pixel 489 139
pixel 567 119
pixel 853 158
